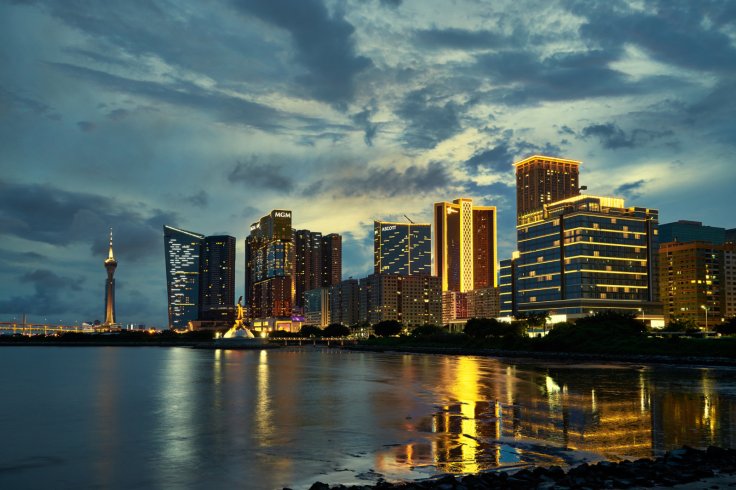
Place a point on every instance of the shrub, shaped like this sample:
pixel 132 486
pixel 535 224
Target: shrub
pixel 387 328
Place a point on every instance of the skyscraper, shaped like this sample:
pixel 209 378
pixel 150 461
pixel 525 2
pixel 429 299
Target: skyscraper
pixel 269 266
pixel 182 250
pixel 331 259
pixel 692 279
pixel 465 245
pixel 584 254
pixel 412 300
pixel 541 180
pixel 402 248
pixel 217 279
pixel 110 265
pixel 317 262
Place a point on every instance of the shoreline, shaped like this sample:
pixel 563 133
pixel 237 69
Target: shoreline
pixel 684 468
pixel 409 349
pixel 577 356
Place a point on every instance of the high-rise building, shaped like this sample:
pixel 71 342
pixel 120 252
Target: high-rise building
pixel 411 300
pixel 542 180
pixel 586 254
pixel 110 265
pixel 331 259
pixel 507 286
pixel 729 280
pixel 697 281
pixel 182 250
pixel 402 248
pixel 317 262
pixel 479 303
pixel 217 279
pixel 345 302
pixel 691 231
pixel 465 245
pixel 317 307
pixel 269 266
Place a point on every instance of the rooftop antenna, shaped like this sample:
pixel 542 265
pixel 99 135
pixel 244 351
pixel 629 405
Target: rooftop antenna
pixel 410 221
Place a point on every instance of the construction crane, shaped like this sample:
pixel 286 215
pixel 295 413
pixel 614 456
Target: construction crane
pixel 410 221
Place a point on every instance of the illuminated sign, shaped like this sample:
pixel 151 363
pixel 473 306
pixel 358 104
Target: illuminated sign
pixel 282 214
pixel 388 228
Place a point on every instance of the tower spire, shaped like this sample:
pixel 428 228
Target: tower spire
pixel 110 254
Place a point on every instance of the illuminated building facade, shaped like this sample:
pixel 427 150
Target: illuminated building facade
pixel 729 280
pixel 317 262
pixel 217 279
pixel 345 302
pixel 182 249
pixel 507 286
pixel 465 245
pixel 269 266
pixel 479 303
pixel 402 248
pixel 586 254
pixel 411 300
pixel 317 307
pixel 542 180
pixel 110 265
pixel 694 276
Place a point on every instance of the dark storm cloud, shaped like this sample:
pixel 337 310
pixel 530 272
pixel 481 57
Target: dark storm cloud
pixel 363 119
pixel 86 126
pixel 386 182
pixel 26 104
pixel 632 190
pixel 222 107
pixel 525 78
pixel 324 44
pixel 46 298
pixel 613 137
pixel 429 119
pixel 43 213
pixel 255 172
pixel 500 158
pixel 458 39
pixel 678 33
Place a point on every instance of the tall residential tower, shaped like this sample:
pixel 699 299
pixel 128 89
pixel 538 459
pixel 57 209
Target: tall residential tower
pixel 541 180
pixel 465 245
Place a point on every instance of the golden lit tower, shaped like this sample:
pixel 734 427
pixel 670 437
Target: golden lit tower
pixel 110 264
pixel 541 180
pixel 465 245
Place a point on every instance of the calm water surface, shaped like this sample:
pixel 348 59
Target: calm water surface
pixel 175 417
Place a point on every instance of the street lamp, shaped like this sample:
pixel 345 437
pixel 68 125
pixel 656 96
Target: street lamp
pixel 706 316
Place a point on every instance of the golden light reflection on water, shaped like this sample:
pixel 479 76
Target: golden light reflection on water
pixel 494 415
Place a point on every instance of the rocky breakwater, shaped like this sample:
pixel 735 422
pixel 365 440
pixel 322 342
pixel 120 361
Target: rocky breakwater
pixel 681 466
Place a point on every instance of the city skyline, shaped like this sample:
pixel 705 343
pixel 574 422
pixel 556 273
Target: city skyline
pixel 118 117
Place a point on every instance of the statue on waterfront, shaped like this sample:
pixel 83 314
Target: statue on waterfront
pixel 239 330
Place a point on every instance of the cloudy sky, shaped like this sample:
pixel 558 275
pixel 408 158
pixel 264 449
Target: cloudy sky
pixel 206 115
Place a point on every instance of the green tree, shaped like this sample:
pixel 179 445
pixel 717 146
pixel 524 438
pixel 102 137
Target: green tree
pixel 614 323
pixel 310 330
pixel 427 330
pixel 387 328
pixel 680 324
pixel 728 327
pixel 336 330
pixel 481 328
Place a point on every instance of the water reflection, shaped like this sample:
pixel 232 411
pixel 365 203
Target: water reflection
pixel 500 415
pixel 171 418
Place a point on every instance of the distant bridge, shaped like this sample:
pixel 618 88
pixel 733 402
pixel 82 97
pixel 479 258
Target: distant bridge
pixel 41 328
